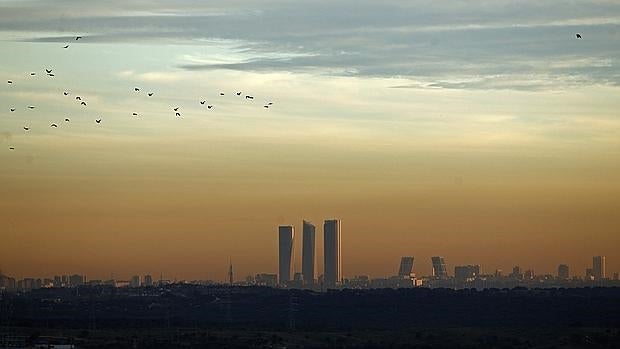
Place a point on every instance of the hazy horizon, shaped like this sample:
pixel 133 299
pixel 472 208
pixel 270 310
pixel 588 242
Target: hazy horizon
pixel 484 132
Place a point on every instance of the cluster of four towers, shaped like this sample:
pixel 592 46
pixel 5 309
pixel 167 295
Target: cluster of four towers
pixel 332 256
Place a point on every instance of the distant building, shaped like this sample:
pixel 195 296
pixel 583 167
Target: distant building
pixel 269 280
pixel 439 268
pixel 529 274
pixel 148 280
pixel 616 276
pixel 57 281
pixel 563 272
pixel 589 274
pixel 466 272
pixel 76 280
pixel 516 273
pixel 332 252
pixel 405 270
pixel 285 253
pixel 308 262
pixel 598 267
pixel 135 281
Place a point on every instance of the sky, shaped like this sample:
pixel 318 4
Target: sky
pixel 481 131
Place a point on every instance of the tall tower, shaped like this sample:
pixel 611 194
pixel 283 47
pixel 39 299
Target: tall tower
pixel 598 267
pixel 308 253
pixel 332 253
pixel 439 267
pixel 406 267
pixel 286 238
pixel 231 278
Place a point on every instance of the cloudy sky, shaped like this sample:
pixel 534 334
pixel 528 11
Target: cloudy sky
pixel 483 131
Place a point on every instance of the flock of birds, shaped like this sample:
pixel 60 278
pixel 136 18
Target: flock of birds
pixel 82 102
pixel 176 110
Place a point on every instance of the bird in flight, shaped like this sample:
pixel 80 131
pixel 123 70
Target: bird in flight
pixel 11 148
pixel 83 103
pixel 9 82
pixel 135 114
pixel 67 46
pixel 176 109
pixel 54 125
pixel 150 94
pixel 136 89
pixel 266 106
pixel 249 97
pixel 77 38
pixel 270 103
pixel 67 120
pixel 49 74
pixel 238 93
pixel 33 74
pixel 65 93
pixel 78 98
pixel 578 36
pixel 203 102
pixel 178 114
pixel 47 71
pixel 26 128
pixel 98 121
pixel 209 106
pixel 31 107
pixel 221 93
pixel 12 109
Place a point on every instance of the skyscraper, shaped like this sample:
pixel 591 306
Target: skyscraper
pixel 286 238
pixel 406 267
pixel 332 252
pixel 308 254
pixel 439 267
pixel 563 272
pixel 598 267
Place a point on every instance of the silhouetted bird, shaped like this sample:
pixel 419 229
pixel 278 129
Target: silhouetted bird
pixel 270 103
pixel 31 107
pixel 578 36
pixel 33 74
pixel 136 89
pixel 78 98
pixel 134 114
pixel 11 148
pixel 176 109
pixel 150 94
pixel 98 121
pixel 77 38
pixel 67 120
pixel 221 93
pixel 249 97
pixel 12 109
pixel 209 106
pixel 52 75
pixel 266 106
pixel 66 46
pixel 203 102
pixel 48 70
pixel 238 93
pixel 9 82
pixel 65 93
pixel 26 128
pixel 178 114
pixel 83 103
pixel 53 125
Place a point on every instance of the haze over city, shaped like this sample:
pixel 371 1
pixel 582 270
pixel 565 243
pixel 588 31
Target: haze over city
pixel 487 133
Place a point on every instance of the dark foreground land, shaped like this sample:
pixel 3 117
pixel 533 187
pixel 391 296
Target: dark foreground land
pixel 217 317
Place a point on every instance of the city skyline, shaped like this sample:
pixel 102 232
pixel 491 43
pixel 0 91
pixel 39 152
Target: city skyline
pixel 485 132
